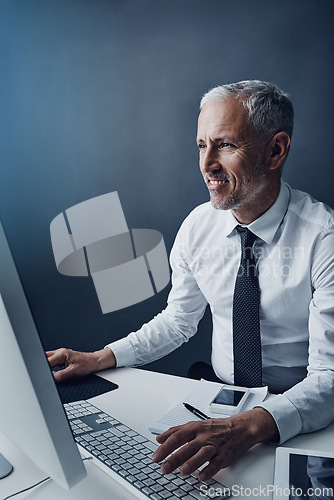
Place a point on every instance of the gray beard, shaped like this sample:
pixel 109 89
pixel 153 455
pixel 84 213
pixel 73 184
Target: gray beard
pixel 237 200
pixel 224 204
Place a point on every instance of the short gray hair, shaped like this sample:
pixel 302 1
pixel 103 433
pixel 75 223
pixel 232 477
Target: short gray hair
pixel 269 108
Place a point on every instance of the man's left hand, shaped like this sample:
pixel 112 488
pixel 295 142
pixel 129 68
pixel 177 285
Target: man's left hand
pixel 219 441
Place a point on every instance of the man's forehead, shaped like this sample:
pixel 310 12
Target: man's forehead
pixel 218 116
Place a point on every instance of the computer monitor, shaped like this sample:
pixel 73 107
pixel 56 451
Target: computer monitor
pixel 31 413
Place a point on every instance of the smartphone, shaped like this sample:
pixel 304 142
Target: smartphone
pixel 229 400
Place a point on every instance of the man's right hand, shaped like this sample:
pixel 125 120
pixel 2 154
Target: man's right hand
pixel 77 364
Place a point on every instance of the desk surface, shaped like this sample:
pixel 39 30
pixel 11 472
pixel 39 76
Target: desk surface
pixel 151 394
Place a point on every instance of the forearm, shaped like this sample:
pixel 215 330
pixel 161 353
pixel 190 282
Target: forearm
pixel 157 338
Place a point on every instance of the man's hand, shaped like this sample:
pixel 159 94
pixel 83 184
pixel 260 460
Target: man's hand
pixel 77 363
pixel 219 441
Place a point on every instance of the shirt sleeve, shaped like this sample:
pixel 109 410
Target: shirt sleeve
pixel 309 405
pixel 173 326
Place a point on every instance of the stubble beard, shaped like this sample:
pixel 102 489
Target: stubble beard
pixel 246 193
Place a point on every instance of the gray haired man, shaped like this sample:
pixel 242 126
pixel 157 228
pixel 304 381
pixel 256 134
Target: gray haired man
pixel 244 135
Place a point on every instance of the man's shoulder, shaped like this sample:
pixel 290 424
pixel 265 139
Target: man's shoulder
pixel 310 210
pixel 197 224
pixel 202 213
pixel 200 210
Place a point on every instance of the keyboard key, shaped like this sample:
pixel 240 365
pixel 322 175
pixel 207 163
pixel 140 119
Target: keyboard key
pixel 124 473
pixel 171 487
pixel 131 433
pixel 115 467
pixel 186 487
pixel 140 438
pixel 140 465
pixel 154 466
pixel 191 480
pixel 157 488
pixel 149 482
pixel 178 481
pixel 141 476
pixel 123 428
pixel 165 494
pixel 147 490
pixel 151 446
pixel 180 493
pixel 155 496
pixel 155 475
pixel 162 481
pixel 116 432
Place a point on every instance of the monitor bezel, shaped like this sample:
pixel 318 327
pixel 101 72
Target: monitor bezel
pixel 55 451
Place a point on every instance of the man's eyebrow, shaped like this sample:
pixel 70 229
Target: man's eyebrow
pixel 218 139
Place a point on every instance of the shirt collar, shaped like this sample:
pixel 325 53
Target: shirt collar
pixel 265 226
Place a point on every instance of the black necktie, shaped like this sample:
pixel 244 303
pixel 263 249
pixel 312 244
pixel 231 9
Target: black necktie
pixel 246 321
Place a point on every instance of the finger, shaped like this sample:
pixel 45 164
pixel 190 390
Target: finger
pixel 53 360
pixel 179 457
pixel 62 375
pixel 50 357
pixel 165 435
pixel 212 468
pixel 59 357
pixel 203 455
pixel 173 442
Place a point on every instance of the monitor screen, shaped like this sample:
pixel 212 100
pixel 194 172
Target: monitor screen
pixel 28 392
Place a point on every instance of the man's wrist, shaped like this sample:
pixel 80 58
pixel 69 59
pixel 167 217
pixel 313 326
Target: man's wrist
pixel 104 359
pixel 263 426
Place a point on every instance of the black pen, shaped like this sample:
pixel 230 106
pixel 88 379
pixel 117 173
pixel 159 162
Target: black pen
pixel 196 412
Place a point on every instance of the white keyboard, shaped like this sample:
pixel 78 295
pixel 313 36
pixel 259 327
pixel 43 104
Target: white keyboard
pixel 126 456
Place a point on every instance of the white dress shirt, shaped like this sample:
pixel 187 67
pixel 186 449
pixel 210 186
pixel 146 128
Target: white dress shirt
pixel 294 253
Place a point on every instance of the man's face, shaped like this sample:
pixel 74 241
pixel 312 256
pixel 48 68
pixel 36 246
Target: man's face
pixel 231 160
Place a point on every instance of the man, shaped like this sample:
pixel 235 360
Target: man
pixel 244 134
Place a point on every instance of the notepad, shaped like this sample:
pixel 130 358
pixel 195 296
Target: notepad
pixel 200 397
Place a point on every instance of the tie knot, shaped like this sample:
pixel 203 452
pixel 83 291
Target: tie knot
pixel 247 237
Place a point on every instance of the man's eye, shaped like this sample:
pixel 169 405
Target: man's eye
pixel 226 144
pixel 201 146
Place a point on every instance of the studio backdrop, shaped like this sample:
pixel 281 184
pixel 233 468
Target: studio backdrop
pixel 102 96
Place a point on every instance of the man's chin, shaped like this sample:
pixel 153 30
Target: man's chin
pixel 222 203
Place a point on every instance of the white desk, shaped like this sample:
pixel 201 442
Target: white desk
pixel 142 397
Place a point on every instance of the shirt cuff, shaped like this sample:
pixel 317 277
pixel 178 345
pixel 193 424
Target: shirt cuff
pixel 285 414
pixel 123 352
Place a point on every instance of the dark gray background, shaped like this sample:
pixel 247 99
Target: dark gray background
pixel 102 95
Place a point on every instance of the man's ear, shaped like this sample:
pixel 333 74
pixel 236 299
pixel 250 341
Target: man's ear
pixel 277 150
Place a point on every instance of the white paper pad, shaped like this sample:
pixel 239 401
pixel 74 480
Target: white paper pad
pixel 200 397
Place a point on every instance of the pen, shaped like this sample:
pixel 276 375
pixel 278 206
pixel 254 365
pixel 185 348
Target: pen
pixel 196 412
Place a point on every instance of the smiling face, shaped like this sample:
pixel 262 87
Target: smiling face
pixel 232 162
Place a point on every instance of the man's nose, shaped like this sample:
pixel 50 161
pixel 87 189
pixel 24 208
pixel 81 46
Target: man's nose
pixel 210 161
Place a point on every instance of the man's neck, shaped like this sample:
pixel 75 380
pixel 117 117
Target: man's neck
pixel 253 210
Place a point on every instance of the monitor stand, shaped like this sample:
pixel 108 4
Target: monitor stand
pixel 5 467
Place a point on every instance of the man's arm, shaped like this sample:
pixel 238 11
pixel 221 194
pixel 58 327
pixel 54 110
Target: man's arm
pixel 155 339
pixel 77 363
pixel 219 441
pixel 309 405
